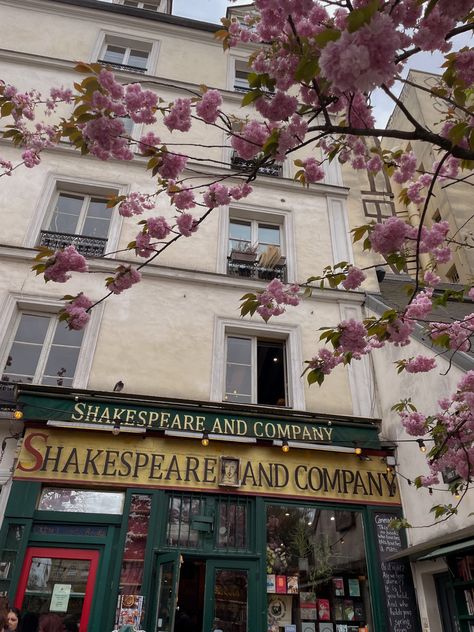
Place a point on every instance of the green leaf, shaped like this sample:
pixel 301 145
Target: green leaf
pixel 250 97
pixel 328 35
pixel 356 19
pixel 307 69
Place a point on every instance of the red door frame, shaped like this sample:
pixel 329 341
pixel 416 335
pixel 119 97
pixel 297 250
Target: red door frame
pixel 67 554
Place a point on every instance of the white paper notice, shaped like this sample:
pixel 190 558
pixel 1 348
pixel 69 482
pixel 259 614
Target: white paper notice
pixel 60 597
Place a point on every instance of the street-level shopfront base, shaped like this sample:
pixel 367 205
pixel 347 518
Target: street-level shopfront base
pixel 287 542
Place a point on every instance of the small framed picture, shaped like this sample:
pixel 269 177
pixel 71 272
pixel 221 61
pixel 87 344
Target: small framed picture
pixel 229 471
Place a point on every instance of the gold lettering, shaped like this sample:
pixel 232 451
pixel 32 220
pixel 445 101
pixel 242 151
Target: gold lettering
pixel 217 428
pixel 328 432
pixel 176 423
pixel 92 412
pixel 131 414
pixel 188 422
pixel 105 416
pixel 258 429
pixel 241 427
pixel 164 423
pixel 200 424
pixel 306 433
pixel 318 434
pixel 229 426
pixel 79 409
pixel 142 417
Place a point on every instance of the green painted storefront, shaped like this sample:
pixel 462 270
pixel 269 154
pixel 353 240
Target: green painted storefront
pixel 183 533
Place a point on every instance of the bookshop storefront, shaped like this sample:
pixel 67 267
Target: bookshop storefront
pixel 170 535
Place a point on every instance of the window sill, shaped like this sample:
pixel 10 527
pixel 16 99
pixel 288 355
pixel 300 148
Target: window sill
pixel 86 246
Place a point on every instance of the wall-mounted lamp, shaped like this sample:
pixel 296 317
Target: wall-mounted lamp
pixel 284 446
pixel 357 449
pixel 18 414
pixel 116 428
pixel 205 439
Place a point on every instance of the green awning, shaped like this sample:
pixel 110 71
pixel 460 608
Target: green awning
pixel 446 550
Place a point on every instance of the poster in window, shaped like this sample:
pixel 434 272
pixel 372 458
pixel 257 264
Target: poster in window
pixel 338 586
pixel 279 610
pixel 359 611
pixel 308 626
pixel 271 588
pixel 354 587
pixel 292 584
pixel 280 584
pixel 341 627
pixel 349 610
pixel 308 606
pixel 130 610
pixel 324 613
pixel 338 611
pixel 326 627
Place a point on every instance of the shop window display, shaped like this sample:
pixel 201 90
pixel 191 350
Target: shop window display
pixel 316 570
pixel 131 575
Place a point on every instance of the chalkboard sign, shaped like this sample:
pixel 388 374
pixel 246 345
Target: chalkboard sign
pixel 402 613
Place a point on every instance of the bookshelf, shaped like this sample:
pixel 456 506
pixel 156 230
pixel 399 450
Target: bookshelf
pixel 462 572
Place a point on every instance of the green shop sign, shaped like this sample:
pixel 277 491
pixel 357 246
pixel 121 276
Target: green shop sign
pixel 218 422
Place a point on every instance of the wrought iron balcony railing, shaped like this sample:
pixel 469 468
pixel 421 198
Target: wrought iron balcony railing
pixel 275 170
pixel 124 67
pixel 87 246
pixel 253 270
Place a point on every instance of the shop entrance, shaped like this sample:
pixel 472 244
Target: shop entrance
pixel 204 595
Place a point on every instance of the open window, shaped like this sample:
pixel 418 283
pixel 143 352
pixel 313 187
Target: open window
pixel 255 371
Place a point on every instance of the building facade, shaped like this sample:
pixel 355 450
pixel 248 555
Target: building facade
pixel 174 470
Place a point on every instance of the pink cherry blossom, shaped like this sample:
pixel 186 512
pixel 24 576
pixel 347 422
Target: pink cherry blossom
pixel 172 165
pixel 353 337
pixel 179 116
pixel 389 236
pixel 186 224
pixel 420 364
pixel 208 106
pixel 184 199
pixel 216 195
pixel 143 248
pixel 135 204
pixel 313 170
pixel 77 312
pixel 248 143
pixel 124 278
pixel 62 262
pixel 354 278
pixel 414 423
pixel 158 227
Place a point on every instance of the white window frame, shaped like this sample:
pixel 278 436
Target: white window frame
pixel 161 5
pixel 81 186
pixel 282 217
pixel 254 342
pixel 15 304
pixel 290 334
pixel 128 40
pixel 235 63
pixel 86 200
pixel 339 231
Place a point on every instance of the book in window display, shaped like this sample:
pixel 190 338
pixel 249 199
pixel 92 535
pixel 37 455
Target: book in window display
pixel 326 627
pixel 271 588
pixel 341 627
pixel 354 587
pixel 348 607
pixel 337 608
pixel 324 612
pixel 338 586
pixel 308 606
pixel 280 584
pixel 292 584
pixel 308 626
pixel 359 614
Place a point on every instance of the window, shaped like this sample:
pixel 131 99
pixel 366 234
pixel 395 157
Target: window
pixel 453 275
pixel 255 371
pixel 241 71
pixel 81 500
pixel 125 57
pixel 78 219
pixel 160 5
pixel 255 249
pixel 273 169
pixel 43 351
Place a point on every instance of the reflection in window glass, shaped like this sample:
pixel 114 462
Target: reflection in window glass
pixel 230 600
pixel 45 573
pixel 232 527
pixel 80 500
pixel 183 509
pixel 317 557
pixel 131 575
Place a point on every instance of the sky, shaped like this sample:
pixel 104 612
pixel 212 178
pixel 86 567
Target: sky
pixel 205 10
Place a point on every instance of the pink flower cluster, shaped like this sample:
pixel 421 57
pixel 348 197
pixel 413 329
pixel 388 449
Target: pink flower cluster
pixel 325 361
pixel 216 195
pixel 389 236
pixel 274 299
pixel 458 332
pixel 148 142
pixel 249 142
pixel 278 107
pixel 124 278
pixel 184 199
pixel 158 227
pixel 208 107
pixel 135 204
pixel 353 337
pixel 30 158
pixel 406 168
pixel 420 364
pixel 62 263
pixel 172 165
pixel 179 116
pixel 186 224
pixel 354 278
pixel 77 312
pixel 414 423
pixel 143 247
pixel 421 305
pixel 313 171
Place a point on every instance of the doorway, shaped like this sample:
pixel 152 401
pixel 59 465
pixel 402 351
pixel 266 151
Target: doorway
pixel 202 595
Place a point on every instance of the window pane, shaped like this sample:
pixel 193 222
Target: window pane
pixel 230 614
pixel 268 235
pixel 138 59
pixel 65 336
pixel 271 383
pixel 66 213
pixel 32 328
pixel 150 7
pixel 98 207
pixel 180 528
pixel 321 555
pixel 114 54
pixel 232 528
pixel 46 573
pixel 22 362
pixel 61 363
pixel 240 230
pixel 96 227
pixel 131 574
pixel 239 350
pixel 238 385
pixel 80 500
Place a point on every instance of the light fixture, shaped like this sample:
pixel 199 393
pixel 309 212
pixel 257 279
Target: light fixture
pixel 421 445
pixel 275 359
pixel 309 524
pixel 116 428
pixel 284 446
pixel 287 513
pixel 205 439
pixel 79 425
pixel 358 450
pixel 333 518
pixel 18 414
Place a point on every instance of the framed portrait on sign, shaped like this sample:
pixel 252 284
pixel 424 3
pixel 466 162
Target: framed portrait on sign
pixel 229 471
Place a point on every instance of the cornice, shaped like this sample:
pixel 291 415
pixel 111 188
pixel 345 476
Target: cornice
pixel 118 15
pixel 18 254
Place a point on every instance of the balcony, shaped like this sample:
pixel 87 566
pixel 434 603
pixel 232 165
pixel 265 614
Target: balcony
pixel 254 270
pixel 275 170
pixel 86 246
pixel 123 67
